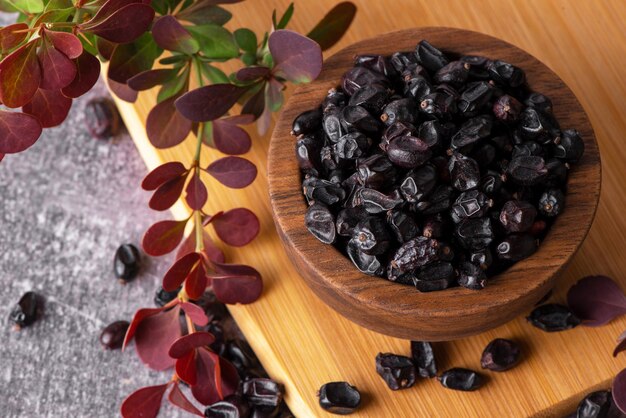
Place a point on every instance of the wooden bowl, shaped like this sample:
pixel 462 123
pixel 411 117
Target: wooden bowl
pixel 399 310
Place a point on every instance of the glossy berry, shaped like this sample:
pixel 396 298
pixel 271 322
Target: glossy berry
pixel 430 57
pixel 102 118
pixel 321 223
pixel 411 255
pixel 471 276
pixel 507 108
pixel 435 276
pixel 461 379
pixel 127 262
pixel 400 110
pixel 307 122
pixel 464 172
pixel 551 202
pixel 472 131
pixel 408 152
pixel 474 234
pixel 339 398
pixel 553 317
pixel 263 392
pixel 365 263
pixel 516 247
pixel 517 216
pixel 397 371
pixel 372 236
pixel 570 146
pixel 527 170
pixel 500 355
pixel 402 225
pixel 471 204
pixel 595 405
pixel 27 310
pixel 233 406
pixel 424 358
pixel 112 336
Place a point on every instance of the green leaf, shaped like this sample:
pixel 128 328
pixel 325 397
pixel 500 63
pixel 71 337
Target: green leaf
pixel 249 58
pixel 175 86
pixel 7 6
pixel 214 74
pixel 215 41
pixel 89 43
pixel 59 4
pixel 27 6
pixel 246 39
pixel 282 24
pixel 175 58
pixel 205 12
pixel 132 58
pixel 334 25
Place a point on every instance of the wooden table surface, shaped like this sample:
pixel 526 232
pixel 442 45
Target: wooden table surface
pixel 304 344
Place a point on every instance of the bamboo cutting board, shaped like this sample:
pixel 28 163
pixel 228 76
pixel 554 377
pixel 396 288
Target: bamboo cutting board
pixel 304 344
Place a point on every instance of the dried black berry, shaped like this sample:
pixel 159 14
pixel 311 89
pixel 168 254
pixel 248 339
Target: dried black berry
pixel 102 118
pixel 372 236
pixel 461 379
pixel 464 172
pixel 438 105
pixel 553 317
pixel 232 406
pixel 334 98
pixel 339 398
pixel 371 97
pixel 358 77
pixel 397 371
pixel 418 183
pixel 474 234
pixel 308 153
pixel 400 110
pixel 127 262
pixel 359 119
pixel 263 392
pixel 240 354
pixel 507 108
pixel 162 297
pixel 430 57
pixel 376 202
pixel 307 122
pixel 570 146
pixel 368 264
pixel 348 218
pixel 516 247
pixel 517 216
pixel 321 223
pixel 323 191
pixel 402 225
pixel 435 276
pixel 408 152
pixel 472 276
pixel 527 170
pixel 595 405
pixel 27 310
pixel 471 204
pixel 424 358
pixel 551 202
pixel 482 258
pixel 472 131
pixel 506 73
pixel 500 355
pixel 351 146
pixel 411 255
pixel 112 336
pixel 454 73
pixel 474 97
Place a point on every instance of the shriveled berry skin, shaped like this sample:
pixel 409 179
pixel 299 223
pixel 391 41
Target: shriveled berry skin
pixel 507 108
pixel 472 276
pixel 365 263
pixel 424 358
pixel 430 57
pixel 376 172
pixel 321 223
pixel 517 216
pixel 413 254
pixel 127 262
pixel 112 336
pixel 517 247
pixel 400 110
pixel 527 170
pixel 435 276
pixel 372 236
pixel 454 73
pixel 376 202
pixel 595 405
pixel 471 204
pixel 397 371
pixel 506 73
pixel 371 97
pixel 339 398
pixel 553 317
pixel 461 379
pixel 402 225
pixel 472 131
pixel 418 183
pixel 500 355
pixel 464 172
pixel 27 310
pixel 551 202
pixel 358 77
pixel 307 122
pixel 102 118
pixel 408 152
pixel 323 191
pixel 233 406
pixel 474 234
pixel 308 153
pixel 476 95
pixel 263 392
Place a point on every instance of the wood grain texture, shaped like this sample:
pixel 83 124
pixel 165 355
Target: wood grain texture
pixel 304 343
pixel 398 310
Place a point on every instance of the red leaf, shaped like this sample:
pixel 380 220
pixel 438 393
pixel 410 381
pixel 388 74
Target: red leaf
pixel 196 193
pixel 196 282
pixel 618 391
pixel 209 102
pixel 1 156
pixel 59 69
pixel 167 194
pixel 234 172
pixel 122 91
pixel 154 337
pixel 177 398
pixel 108 8
pixel 186 368
pixel 105 48
pixel 212 252
pixel 171 35
pixel 162 174
pixel 230 138
pixel 9 39
pixel 18 131
pixel 125 25
pixel 181 268
pixel 237 284
pixel 150 78
pixel 144 403
pixel 163 237
pixel 596 300
pixel 252 73
pixel 237 227
pixel 65 42
pixel 187 343
pixel 87 73
pixel 334 25
pixel 21 76
pixel 140 315
pixel 50 107
pixel 196 314
pixel 205 390
pixel 166 127
pixel 296 57
pixel 621 344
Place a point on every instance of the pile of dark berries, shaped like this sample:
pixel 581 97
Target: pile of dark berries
pixel 432 169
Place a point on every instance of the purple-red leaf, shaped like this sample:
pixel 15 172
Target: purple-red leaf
pixel 186 368
pixel 296 57
pixel 18 131
pixel 255 104
pixel 167 194
pixel 140 315
pixel 230 138
pixel 66 43
pixel 21 76
pixel 171 35
pixel 334 25
pixel 12 35
pixel 210 250
pixel 50 107
pixel 237 283
pixel 177 398
pixel 163 237
pixel 190 342
pixel 165 126
pixel 196 313
pixel 124 25
pixel 209 102
pixel 162 174
pixel 108 8
pixel 621 344
pixel 87 73
pixel 234 172
pixel 177 273
pixel 205 390
pixel 1 156
pixel 252 73
pixel 197 193
pixel 144 403
pixel 196 282
pixel 237 227
pixel 122 91
pixel 59 70
pixel 151 78
pixel 596 300
pixel 154 337
pixel 618 391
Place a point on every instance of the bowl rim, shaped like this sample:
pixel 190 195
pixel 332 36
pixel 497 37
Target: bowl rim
pixel 328 271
